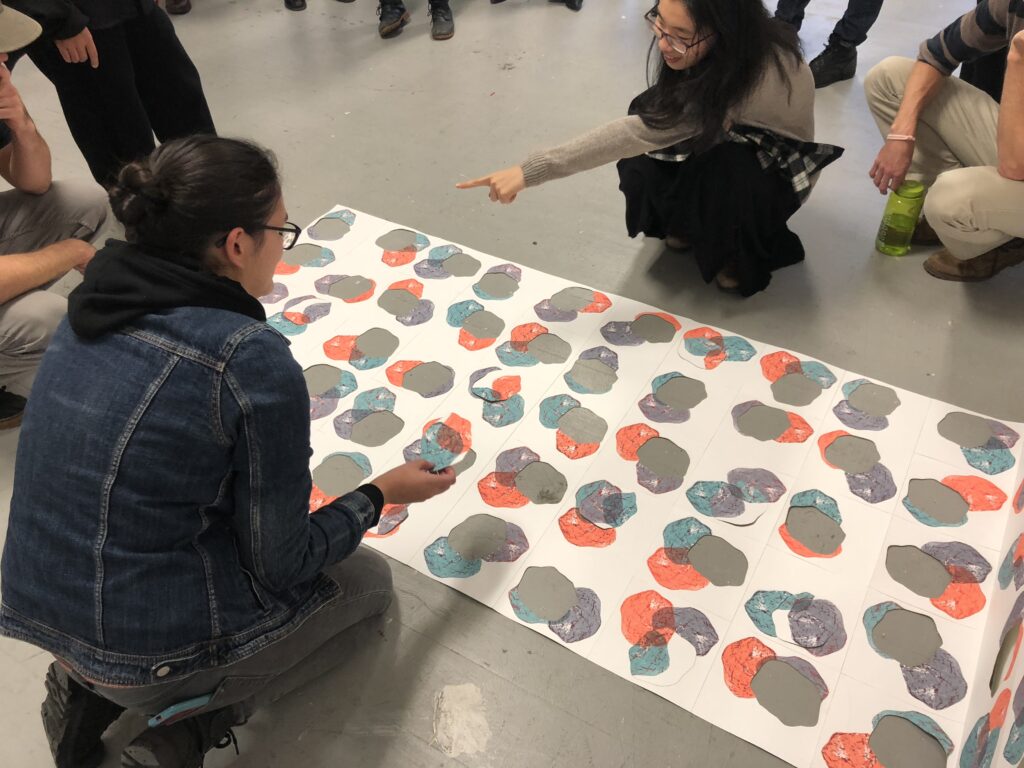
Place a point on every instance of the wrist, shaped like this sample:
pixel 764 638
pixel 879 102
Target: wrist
pixel 22 128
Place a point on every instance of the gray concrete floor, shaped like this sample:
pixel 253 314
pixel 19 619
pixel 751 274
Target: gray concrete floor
pixel 388 127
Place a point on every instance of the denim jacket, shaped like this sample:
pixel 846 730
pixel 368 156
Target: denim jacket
pixel 159 523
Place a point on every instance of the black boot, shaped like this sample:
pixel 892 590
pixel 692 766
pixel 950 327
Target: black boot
pixel 837 62
pixel 295 5
pixel 393 17
pixel 74 719
pixel 572 5
pixel 12 408
pixel 183 744
pixel 442 24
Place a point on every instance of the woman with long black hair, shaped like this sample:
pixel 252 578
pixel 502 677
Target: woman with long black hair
pixel 718 153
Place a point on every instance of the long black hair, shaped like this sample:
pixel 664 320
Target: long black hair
pixel 190 191
pixel 746 41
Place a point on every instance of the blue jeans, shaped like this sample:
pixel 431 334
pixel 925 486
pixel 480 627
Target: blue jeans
pixel 852 29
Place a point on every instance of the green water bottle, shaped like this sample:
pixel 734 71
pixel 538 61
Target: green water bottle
pixel 902 212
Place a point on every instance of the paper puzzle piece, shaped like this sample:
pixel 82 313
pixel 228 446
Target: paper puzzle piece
pixel 727 501
pixel 594 372
pixel 813 525
pixel 858 458
pixel 897 740
pixel 789 688
pixel 327 386
pixel 578 430
pixel 297 314
pixel 372 422
pixel 351 289
pixel 795 381
pixel 946 503
pixel 400 246
pixel 984 443
pixel 692 558
pixel 304 255
pixel 370 349
pixel 498 283
pixel 764 422
pixel 520 477
pixel 338 474
pixel 404 300
pixel 277 292
pixel 530 344
pixel 713 348
pixel 425 379
pixel 949 574
pixel 391 519
pixel 478 327
pixel 545 596
pixel 1012 568
pixel 647 327
pixel 867 405
pixel 502 403
pixel 565 306
pixel 931 674
pixel 672 397
pixel 476 540
pixel 1009 645
pixel 649 621
pixel 814 624
pixel 444 261
pixel 332 226
pixel 446 443
pixel 661 465
pixel 600 508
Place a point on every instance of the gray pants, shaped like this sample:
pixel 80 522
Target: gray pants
pixel 970 206
pixel 366 590
pixel 29 223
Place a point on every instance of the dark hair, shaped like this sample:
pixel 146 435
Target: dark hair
pixel 747 40
pixel 189 192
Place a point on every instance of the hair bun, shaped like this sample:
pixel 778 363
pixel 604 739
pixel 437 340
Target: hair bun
pixel 136 195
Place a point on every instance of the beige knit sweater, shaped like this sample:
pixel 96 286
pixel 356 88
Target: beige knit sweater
pixel 782 105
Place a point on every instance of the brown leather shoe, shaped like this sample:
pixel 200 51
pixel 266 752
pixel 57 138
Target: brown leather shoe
pixel 924 234
pixel 943 265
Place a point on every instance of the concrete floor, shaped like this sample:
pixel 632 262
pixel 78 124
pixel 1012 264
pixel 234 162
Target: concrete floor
pixel 388 127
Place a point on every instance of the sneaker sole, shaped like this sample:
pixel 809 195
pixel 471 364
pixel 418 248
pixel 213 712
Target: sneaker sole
pixel 393 29
pixel 11 422
pixel 447 36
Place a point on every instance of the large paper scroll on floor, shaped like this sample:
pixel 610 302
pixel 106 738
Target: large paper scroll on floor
pixel 822 564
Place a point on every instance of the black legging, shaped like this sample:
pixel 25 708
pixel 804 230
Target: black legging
pixel 145 84
pixel 852 28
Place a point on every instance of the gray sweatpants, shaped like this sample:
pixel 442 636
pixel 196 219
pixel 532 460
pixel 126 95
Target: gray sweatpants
pixel 366 590
pixel 970 206
pixel 29 223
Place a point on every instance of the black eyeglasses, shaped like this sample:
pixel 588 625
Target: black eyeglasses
pixel 677 44
pixel 289 234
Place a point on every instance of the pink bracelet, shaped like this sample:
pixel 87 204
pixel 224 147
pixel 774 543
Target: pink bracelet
pixel 900 137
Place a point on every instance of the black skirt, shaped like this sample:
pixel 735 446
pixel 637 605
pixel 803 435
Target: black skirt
pixel 723 203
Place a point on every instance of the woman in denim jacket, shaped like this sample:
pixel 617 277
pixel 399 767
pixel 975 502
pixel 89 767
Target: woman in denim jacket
pixel 159 543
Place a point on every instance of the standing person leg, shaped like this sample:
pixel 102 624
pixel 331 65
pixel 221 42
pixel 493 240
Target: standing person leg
pixel 838 61
pixel 103 111
pixel 791 12
pixel 167 83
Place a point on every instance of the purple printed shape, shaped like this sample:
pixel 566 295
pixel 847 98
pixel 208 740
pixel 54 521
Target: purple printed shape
pixel 742 408
pixel 344 423
pixel 657 411
pixel 278 292
pixel 971 567
pixel 757 486
pixel 620 333
pixel 854 419
pixel 655 483
pixel 582 620
pixel 691 625
pixel 507 269
pixel 549 312
pixel 515 460
pixel 388 523
pixel 817 626
pixel 431 269
pixel 513 548
pixel 939 683
pixel 603 507
pixel 874 486
pixel 605 355
pixel 807 669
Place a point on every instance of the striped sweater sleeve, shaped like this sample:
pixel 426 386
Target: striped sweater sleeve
pixel 985 29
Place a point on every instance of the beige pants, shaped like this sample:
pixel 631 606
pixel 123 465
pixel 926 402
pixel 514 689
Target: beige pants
pixel 29 223
pixel 970 206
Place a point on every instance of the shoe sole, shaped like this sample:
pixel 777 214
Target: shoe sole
pixel 11 422
pixel 393 29
pixel 954 278
pixel 447 36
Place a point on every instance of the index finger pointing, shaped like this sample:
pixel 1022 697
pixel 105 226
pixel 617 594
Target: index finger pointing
pixel 483 181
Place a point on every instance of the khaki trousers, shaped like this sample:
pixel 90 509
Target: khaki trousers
pixel 29 223
pixel 970 206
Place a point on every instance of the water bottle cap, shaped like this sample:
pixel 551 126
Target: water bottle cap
pixel 911 189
